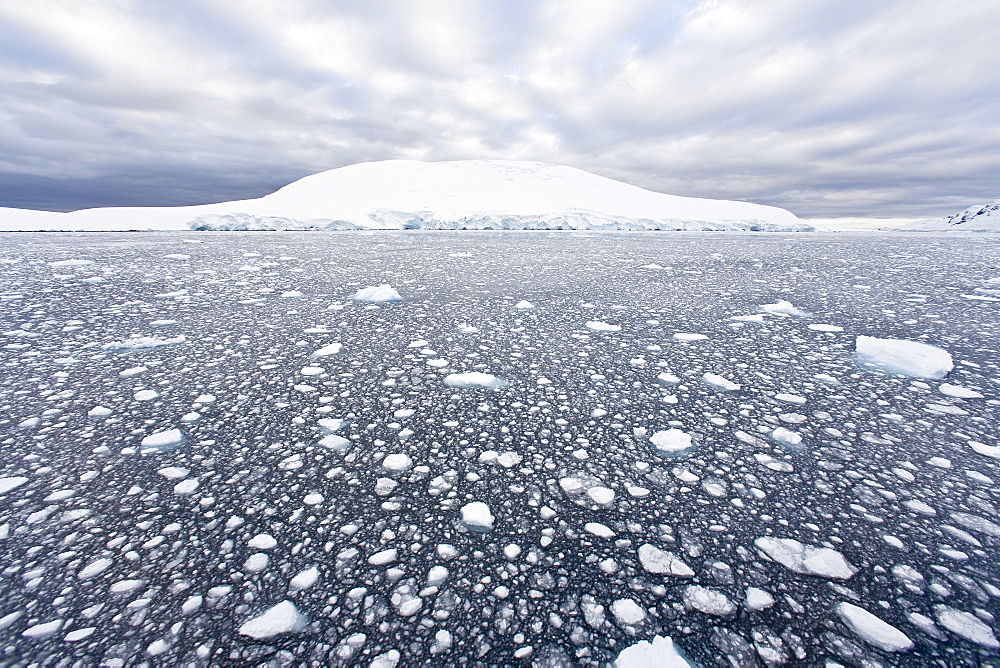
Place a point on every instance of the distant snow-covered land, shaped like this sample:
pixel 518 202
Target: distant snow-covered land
pixel 979 218
pixel 409 194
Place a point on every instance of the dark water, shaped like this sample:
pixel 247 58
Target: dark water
pixel 117 551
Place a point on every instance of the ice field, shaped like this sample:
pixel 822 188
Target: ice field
pixel 484 448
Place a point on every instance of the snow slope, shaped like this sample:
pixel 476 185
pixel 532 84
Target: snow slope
pixel 409 194
pixel 980 218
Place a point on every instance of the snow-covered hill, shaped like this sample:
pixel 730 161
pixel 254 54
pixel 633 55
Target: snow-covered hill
pixel 408 194
pixel 981 218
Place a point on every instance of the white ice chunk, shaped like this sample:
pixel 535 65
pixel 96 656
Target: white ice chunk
pixel 782 307
pixel 329 349
pixel 43 630
pixel 599 530
pixel 958 391
pixel 11 482
pixel 99 412
pixel 910 358
pixel 477 516
pixel 282 618
pixel 381 293
pixel 162 440
pixel 758 599
pixel 263 541
pixel 628 612
pixel 720 383
pixel 383 558
pixel 873 630
pixel 806 559
pixel 599 326
pixel 660 653
pixel 475 380
pixel 524 305
pixel 334 442
pixel 818 327
pixel 94 568
pixel 671 440
pixel 783 436
pixel 966 625
pixel 686 336
pixel 708 601
pixel 305 579
pixel 397 462
pixel 660 562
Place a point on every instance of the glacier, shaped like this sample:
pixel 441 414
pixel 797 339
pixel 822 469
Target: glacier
pixel 978 218
pixel 450 195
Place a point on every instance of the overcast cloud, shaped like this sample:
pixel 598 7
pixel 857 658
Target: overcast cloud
pixel 825 107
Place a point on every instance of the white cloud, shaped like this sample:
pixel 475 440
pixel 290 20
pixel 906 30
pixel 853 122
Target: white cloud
pixel 825 107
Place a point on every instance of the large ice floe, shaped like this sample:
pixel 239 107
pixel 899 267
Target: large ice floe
pixel 909 358
pixel 409 194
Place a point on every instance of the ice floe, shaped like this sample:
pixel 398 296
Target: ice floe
pixel 909 358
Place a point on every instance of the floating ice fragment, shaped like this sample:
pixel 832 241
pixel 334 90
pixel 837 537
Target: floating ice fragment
pixel 334 442
pixel 383 558
pixel 671 440
pixel 99 412
pixel 719 383
pixel 790 398
pixel 873 630
pixel 660 562
pixel 329 349
pixel 331 425
pixel 758 599
pixel 70 263
pixel 599 326
pixel 381 293
pixel 282 618
pixel 397 462
pixel 909 358
pixel 684 336
pixel 599 530
pixel 475 380
pixel 748 318
pixel 11 482
pixel 958 391
pixel 305 579
pixel 477 516
pixel 263 541
pixel 708 601
pixel 818 327
pixel 162 440
pixel 991 451
pixel 143 342
pixel 660 653
pixel 966 625
pixel 783 436
pixel 146 395
pixel 95 567
pixel 783 308
pixel 628 612
pixel 524 305
pixel 43 630
pixel 806 559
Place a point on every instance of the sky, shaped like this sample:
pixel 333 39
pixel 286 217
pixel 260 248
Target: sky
pixel 873 108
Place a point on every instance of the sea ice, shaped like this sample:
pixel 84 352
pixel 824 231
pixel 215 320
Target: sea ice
pixel 873 630
pixel 281 618
pixel 599 326
pixel 719 383
pixel 966 625
pixel 475 380
pixel 958 391
pixel 910 358
pixel 660 562
pixel 658 653
pixel 381 293
pixel 806 559
pixel 708 601
pixel 671 440
pixel 782 307
pixel 477 516
pixel 11 482
pixel 162 440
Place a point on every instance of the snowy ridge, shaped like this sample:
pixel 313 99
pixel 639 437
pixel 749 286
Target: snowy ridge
pixel 409 194
pixel 980 218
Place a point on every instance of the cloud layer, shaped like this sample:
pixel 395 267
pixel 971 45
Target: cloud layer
pixel 887 108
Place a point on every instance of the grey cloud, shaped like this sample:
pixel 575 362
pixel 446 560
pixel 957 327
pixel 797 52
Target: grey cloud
pixel 826 108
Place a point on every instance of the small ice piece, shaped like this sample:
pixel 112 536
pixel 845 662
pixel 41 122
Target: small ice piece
pixel 282 618
pixel 991 451
pixel 312 371
pixel 477 516
pixel 818 327
pixel 146 395
pixel 524 305
pixel 185 487
pixel 43 630
pixel 783 436
pixel 383 558
pixel 668 378
pixel 909 358
pixel 958 391
pixel 70 263
pixel 512 551
pixel 660 653
pixel 381 293
pixel 790 398
pixel 758 599
pixel 685 336
pixel 99 412
pixel 671 440
pixel 162 440
pixel 305 579
pixel 331 425
pixel 601 495
pixel 628 612
pixel 388 659
pixel 437 576
pixel 329 349
pixel 256 562
pixel 11 482
pixel 708 601
pixel 719 383
pixel 142 342
pixel 334 442
pixel 660 562
pixel 599 326
pixel 313 499
pixel 263 541
pixel 397 462
pixel 806 559
pixel 475 380
pixel 748 318
pixel 782 307
pixel 873 630
pixel 966 625
pixel 94 568
pixel 599 530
